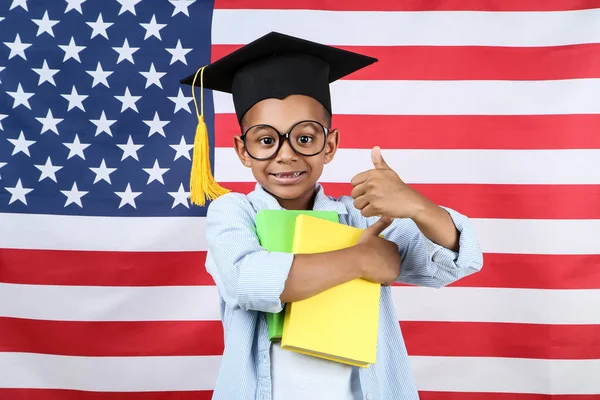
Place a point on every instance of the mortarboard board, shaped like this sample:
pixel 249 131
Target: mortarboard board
pixel 272 66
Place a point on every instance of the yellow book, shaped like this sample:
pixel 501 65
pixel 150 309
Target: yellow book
pixel 341 323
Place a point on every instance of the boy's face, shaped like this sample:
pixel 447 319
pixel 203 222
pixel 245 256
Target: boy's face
pixel 290 177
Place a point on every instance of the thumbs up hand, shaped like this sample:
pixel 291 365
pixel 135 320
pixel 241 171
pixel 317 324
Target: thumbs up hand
pixel 381 192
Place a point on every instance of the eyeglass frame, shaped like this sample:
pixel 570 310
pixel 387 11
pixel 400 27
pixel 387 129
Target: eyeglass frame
pixel 286 136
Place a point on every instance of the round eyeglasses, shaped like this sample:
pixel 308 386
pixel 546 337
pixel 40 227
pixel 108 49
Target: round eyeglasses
pixel 263 142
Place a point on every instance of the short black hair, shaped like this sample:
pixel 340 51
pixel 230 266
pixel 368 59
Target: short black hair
pixel 326 118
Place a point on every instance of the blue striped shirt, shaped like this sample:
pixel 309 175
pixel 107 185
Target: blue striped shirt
pixel 250 281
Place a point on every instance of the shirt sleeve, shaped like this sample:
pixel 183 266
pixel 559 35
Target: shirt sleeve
pixel 426 263
pixel 247 276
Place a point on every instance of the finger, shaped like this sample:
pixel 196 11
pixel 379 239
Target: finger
pixel 359 178
pixel 377 159
pixel 361 202
pixel 379 226
pixel 359 190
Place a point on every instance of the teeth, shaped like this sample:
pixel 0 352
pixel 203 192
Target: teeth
pixel 292 175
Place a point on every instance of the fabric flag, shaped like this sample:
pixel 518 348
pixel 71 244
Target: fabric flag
pixel 491 108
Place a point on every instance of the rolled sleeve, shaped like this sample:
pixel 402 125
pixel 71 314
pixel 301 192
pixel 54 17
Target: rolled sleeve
pixel 247 276
pixel 426 263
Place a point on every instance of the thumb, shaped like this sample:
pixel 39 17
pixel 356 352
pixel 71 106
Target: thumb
pixel 377 159
pixel 378 227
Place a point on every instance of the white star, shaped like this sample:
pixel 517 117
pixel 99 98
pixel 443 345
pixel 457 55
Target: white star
pixel 99 27
pixel 1 69
pixel 2 164
pixel 45 25
pixel 125 52
pixel 46 74
pixel 155 173
pixel 153 77
pixel 72 50
pixel 2 116
pixel 130 149
pixel 180 197
pixel 74 5
pixel 17 48
pixel 75 99
pixel 76 148
pixel 178 53
pixel 48 170
pixel 128 197
pixel 181 102
pixel 74 195
pixel 153 28
pixel 182 149
pixel 49 122
pixel 17 3
pixel 21 145
pixel 103 124
pixel 128 101
pixel 100 75
pixel 18 193
pixel 103 172
pixel 128 5
pixel 21 97
pixel 181 6
pixel 156 125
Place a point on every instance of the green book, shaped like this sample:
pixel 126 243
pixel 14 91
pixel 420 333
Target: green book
pixel 275 231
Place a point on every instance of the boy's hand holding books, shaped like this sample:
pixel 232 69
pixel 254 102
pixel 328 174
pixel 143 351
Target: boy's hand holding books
pixel 381 257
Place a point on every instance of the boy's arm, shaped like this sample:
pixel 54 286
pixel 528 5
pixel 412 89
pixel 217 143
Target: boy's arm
pixel 251 278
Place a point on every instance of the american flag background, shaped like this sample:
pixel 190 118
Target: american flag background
pixel 489 107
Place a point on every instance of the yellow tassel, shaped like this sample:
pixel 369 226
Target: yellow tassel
pixel 202 183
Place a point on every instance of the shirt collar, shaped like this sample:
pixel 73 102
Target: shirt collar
pixel 261 199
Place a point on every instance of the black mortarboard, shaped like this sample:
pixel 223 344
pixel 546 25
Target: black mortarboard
pixel 278 65
pixel 272 66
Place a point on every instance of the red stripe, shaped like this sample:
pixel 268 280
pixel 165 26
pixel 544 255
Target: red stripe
pixel 494 201
pixel 535 132
pixel 127 339
pixel 59 394
pixel 502 340
pixel 56 394
pixel 103 268
pixel 525 271
pixel 425 395
pixel 203 338
pixel 470 62
pixel 411 5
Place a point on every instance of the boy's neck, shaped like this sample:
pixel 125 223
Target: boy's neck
pixel 304 202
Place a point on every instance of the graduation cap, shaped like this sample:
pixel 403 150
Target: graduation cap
pixel 272 66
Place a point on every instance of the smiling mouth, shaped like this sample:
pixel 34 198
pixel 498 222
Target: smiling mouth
pixel 287 175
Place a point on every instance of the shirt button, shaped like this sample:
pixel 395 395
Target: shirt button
pixel 370 396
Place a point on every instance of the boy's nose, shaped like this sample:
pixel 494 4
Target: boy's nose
pixel 286 153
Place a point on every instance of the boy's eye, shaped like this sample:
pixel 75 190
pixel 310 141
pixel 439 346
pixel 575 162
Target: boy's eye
pixel 304 139
pixel 266 140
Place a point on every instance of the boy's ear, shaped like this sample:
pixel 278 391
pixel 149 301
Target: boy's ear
pixel 331 145
pixel 240 150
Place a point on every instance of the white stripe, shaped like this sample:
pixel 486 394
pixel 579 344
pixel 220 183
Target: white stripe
pixel 538 236
pixel 437 28
pixel 466 304
pixel 459 304
pixel 569 96
pixel 62 232
pixel 102 303
pixel 139 374
pixel 521 236
pixel 447 166
pixel 108 374
pixel 506 375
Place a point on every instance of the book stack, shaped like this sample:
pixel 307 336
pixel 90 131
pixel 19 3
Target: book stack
pixel 339 324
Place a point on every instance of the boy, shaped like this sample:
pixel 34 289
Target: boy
pixel 280 88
